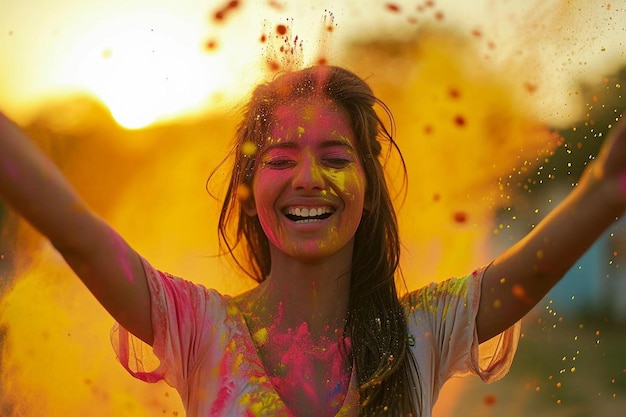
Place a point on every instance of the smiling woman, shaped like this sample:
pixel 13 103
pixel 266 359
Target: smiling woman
pixel 459 131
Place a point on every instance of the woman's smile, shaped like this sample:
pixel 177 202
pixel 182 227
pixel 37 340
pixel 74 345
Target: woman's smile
pixel 308 214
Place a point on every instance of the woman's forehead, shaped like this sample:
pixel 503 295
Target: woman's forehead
pixel 310 110
pixel 311 116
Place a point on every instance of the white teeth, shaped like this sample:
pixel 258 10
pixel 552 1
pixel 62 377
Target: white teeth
pixel 308 221
pixel 308 212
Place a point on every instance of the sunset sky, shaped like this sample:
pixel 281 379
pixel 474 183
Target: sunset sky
pixel 149 59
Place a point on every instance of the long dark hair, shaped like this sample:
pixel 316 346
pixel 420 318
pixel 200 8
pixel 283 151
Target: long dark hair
pixel 376 322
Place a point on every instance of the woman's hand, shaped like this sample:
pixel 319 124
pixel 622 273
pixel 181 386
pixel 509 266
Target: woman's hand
pixel 609 167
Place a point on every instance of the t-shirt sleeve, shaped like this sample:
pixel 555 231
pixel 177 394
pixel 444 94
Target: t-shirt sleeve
pixel 442 316
pixel 183 315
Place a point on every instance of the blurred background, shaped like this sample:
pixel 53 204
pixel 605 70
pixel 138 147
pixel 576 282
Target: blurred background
pixel 499 107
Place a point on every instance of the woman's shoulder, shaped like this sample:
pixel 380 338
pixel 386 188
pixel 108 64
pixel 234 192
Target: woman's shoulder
pixel 445 291
pixel 177 288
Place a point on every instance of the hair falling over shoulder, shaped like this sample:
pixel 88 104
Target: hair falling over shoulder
pixel 376 322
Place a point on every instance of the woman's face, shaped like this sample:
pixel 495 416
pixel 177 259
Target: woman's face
pixel 309 185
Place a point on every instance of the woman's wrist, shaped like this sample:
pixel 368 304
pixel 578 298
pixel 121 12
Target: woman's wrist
pixel 608 191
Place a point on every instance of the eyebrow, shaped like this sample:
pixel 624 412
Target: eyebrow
pixel 291 144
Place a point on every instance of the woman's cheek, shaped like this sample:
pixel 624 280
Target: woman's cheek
pixel 350 184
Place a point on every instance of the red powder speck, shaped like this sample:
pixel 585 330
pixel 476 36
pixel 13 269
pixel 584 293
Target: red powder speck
pixel 580 146
pixel 436 197
pixel 430 3
pixel 490 399
pixel 519 292
pixel 281 29
pixel 439 15
pixel 428 129
pixel 322 61
pixel 275 5
pixel 263 38
pixel 392 7
pixel 491 45
pixel 221 13
pixel 329 28
pixel 460 121
pixel 530 87
pixel 477 33
pixel 211 45
pixel 273 65
pixel 454 93
pixel 460 217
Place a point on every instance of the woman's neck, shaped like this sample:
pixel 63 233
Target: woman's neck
pixel 297 292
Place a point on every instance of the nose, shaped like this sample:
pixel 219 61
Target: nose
pixel 308 174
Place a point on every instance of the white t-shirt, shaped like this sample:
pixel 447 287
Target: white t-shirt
pixel 202 347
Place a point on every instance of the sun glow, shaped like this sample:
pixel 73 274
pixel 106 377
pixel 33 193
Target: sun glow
pixel 147 67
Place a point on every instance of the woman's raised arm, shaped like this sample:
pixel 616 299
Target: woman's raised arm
pixel 521 276
pixel 33 186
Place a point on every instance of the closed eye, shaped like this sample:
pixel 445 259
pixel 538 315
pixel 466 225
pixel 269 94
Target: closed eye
pixel 337 162
pixel 279 163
